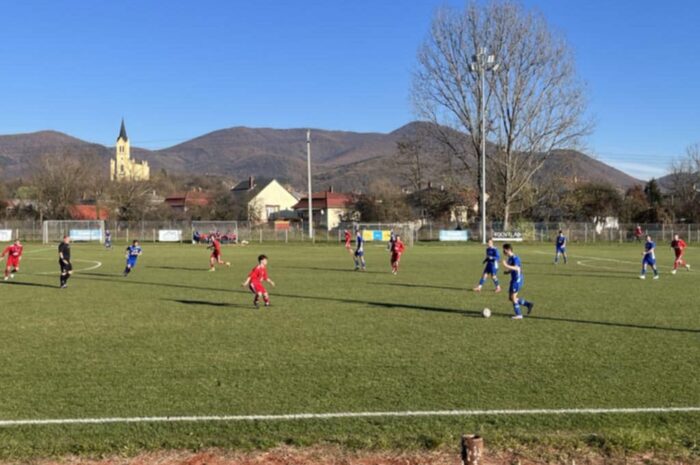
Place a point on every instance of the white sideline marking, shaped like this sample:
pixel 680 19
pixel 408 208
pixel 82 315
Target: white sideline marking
pixel 96 265
pixel 585 263
pixel 329 416
pixel 35 251
pixel 601 259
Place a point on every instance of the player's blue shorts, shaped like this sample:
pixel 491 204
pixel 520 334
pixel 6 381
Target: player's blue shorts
pixel 515 286
pixel 648 260
pixel 359 253
pixel 491 268
pixel 561 249
pixel 131 262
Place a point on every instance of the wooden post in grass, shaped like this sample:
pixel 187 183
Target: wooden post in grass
pixel 472 449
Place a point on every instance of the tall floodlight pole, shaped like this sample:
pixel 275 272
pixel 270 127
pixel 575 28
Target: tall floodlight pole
pixel 481 62
pixel 308 177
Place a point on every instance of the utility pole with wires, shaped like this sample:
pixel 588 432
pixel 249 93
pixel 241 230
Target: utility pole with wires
pixel 482 62
pixel 308 175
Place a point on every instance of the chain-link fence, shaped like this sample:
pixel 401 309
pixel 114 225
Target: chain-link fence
pixel 610 231
pixel 604 231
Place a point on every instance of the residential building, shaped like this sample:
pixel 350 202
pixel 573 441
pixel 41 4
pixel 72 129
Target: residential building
pixel 265 199
pixel 183 201
pixel 328 208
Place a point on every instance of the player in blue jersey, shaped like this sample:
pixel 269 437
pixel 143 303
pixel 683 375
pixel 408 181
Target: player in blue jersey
pixel 649 258
pixel 561 248
pixel 108 240
pixel 359 252
pixel 133 252
pixel 514 267
pixel 491 268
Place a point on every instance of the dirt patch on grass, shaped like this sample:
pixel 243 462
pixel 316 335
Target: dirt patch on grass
pixel 337 456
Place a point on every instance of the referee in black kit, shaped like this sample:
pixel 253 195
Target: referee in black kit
pixel 64 261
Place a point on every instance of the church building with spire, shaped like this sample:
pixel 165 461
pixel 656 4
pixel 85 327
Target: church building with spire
pixel 122 167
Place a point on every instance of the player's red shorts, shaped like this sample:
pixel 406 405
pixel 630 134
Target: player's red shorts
pixel 216 254
pixel 13 262
pixel 395 257
pixel 679 253
pixel 348 245
pixel 257 288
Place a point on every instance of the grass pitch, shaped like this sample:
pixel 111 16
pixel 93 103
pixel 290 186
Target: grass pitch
pixel 173 339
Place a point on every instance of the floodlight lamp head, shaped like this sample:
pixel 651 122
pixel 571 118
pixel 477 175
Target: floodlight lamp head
pixel 490 59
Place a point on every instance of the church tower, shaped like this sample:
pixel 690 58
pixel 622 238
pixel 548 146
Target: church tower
pixel 122 167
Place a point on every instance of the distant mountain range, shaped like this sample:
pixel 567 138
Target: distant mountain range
pixel 345 160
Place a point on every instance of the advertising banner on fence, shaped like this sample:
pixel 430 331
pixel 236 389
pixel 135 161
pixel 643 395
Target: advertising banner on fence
pixel 80 235
pixel 5 235
pixel 455 236
pixel 508 236
pixel 371 235
pixel 169 235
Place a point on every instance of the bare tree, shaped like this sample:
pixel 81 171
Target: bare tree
pixel 58 182
pixel 130 199
pixel 411 162
pixel 684 184
pixel 428 155
pixel 536 102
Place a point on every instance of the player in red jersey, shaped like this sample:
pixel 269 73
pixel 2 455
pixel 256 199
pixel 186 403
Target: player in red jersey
pixel 397 249
pixel 348 241
pixel 216 254
pixel 14 256
pixel 255 279
pixel 679 246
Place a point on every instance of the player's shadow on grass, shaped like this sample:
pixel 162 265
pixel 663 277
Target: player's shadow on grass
pixel 342 270
pixel 20 283
pixel 207 303
pixel 390 305
pixel 425 286
pixel 121 280
pixel 424 308
pixel 178 268
pixel 612 323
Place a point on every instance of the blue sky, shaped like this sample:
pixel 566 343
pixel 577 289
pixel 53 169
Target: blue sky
pixel 176 70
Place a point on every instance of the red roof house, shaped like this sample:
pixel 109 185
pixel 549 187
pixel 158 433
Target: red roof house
pixel 328 207
pixel 88 212
pixel 182 201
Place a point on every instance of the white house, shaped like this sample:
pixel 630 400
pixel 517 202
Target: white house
pixel 267 199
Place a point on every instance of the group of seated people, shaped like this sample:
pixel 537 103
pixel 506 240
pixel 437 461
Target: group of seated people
pixel 229 238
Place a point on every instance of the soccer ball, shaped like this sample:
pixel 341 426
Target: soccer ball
pixel 486 312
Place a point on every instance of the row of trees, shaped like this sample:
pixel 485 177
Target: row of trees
pixel 580 203
pixel 60 182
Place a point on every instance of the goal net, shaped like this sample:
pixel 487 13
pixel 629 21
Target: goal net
pixel 78 230
pixel 225 231
pixel 381 232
